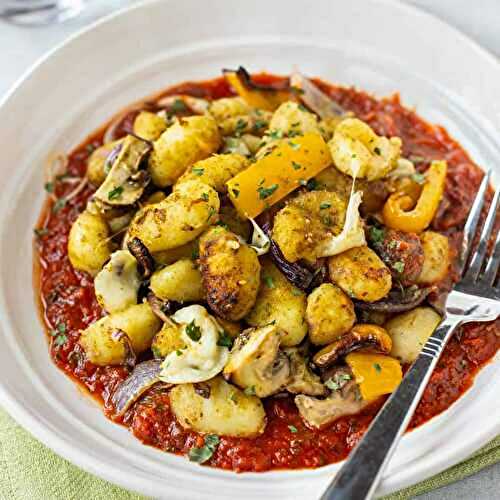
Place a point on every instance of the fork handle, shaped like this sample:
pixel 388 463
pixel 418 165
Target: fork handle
pixel 361 474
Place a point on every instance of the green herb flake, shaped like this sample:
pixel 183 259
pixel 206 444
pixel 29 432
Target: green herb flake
pixel 268 280
pixel 325 205
pixel 303 108
pixel 198 171
pixel 60 203
pixel 296 292
pixel 234 397
pixel 39 232
pixel 293 429
pixel 195 254
pixel 312 184
pixel 294 145
pixel 377 367
pixel 296 166
pixel 331 384
pixel 250 391
pixel 201 455
pixel 225 340
pixel 178 106
pixel 60 340
pixel 193 331
pixel 241 125
pixel 115 193
pixel 377 151
pixel 178 352
pixel 266 192
pixel 204 196
pixel 399 266
pixel 236 192
pixel 211 212
pixel 156 352
pixel 275 134
pixel 259 125
pixel 377 234
pixel 418 177
pixel 49 187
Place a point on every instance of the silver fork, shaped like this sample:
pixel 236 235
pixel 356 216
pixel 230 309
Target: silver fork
pixel 474 298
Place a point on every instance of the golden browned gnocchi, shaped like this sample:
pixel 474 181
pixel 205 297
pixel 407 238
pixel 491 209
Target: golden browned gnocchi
pixel 180 281
pixel 149 126
pixel 178 219
pixel 361 274
pixel 436 257
pixel 227 410
pixel 89 245
pixel 330 314
pixel 185 142
pixel 280 303
pixel 230 271
pixel 97 162
pixel 108 341
pixel 167 340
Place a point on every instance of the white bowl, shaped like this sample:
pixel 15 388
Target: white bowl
pixel 381 46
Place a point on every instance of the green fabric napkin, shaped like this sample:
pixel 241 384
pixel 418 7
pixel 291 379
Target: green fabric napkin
pixel 30 471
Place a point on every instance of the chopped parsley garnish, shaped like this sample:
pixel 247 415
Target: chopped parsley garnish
pixel 115 193
pixel 296 166
pixel 193 331
pixel 377 151
pixel 211 211
pixel 302 107
pixel 326 220
pixel 236 192
pixel 293 429
pixel 60 203
pixel 195 254
pixel 266 192
pixel 201 455
pixel 331 384
pixel 268 280
pixel 399 266
pixel 418 159
pixel 325 205
pixel 260 124
pixel 377 367
pixel 178 106
pixel 225 340
pixel 312 184
pixel 275 134
pixel 204 196
pixel 241 125
pixel 178 352
pixel 294 145
pixel 39 232
pixel 156 352
pixel 296 292
pixel 418 177
pixel 59 335
pixel 60 340
pixel 250 391
pixel 198 171
pixel 49 187
pixel 377 234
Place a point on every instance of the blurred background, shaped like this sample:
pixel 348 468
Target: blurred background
pixel 31 28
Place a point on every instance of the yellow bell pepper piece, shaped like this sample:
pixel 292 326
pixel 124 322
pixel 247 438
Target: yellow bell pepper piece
pixel 289 165
pixel 376 374
pixel 269 100
pixel 398 212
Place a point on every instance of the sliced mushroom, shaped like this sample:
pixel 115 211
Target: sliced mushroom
pixel 256 363
pixel 144 376
pixel 398 300
pixel 346 400
pixel 117 284
pixel 303 380
pixel 145 260
pixel 125 182
pixel 161 308
pixel 360 337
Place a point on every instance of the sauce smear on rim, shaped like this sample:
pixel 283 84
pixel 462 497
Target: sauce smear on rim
pixel 68 304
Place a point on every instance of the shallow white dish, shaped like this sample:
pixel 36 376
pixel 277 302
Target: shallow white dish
pixel 381 46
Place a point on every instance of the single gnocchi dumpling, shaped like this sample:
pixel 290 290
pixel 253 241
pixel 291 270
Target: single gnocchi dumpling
pixel 89 245
pixel 359 152
pixel 178 219
pixel 149 126
pixel 185 142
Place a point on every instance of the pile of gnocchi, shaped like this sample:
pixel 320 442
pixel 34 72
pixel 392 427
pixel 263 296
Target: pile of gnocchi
pixel 254 245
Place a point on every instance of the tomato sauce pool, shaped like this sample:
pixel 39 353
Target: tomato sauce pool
pixel 68 304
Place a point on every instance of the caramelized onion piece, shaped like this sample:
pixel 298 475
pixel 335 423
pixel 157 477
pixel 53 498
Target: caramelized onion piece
pixel 146 262
pixel 142 378
pixel 398 300
pixel 130 356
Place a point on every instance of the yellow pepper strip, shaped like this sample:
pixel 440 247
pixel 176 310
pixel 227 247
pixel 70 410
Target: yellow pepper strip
pixel 376 374
pixel 398 212
pixel 286 167
pixel 269 100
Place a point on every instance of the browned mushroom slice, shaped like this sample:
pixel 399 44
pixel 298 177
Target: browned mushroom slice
pixel 145 260
pixel 256 363
pixel 142 378
pixel 345 399
pixel 360 336
pixel 398 300
pixel 125 182
pixel 303 380
pixel 161 308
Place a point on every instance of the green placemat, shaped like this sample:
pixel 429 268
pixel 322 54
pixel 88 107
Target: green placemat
pixel 30 471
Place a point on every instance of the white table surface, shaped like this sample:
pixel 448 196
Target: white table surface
pixel 480 19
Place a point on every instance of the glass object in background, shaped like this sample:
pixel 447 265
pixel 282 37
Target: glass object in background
pixel 39 12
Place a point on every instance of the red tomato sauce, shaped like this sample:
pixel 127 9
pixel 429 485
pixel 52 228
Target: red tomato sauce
pixel 67 298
